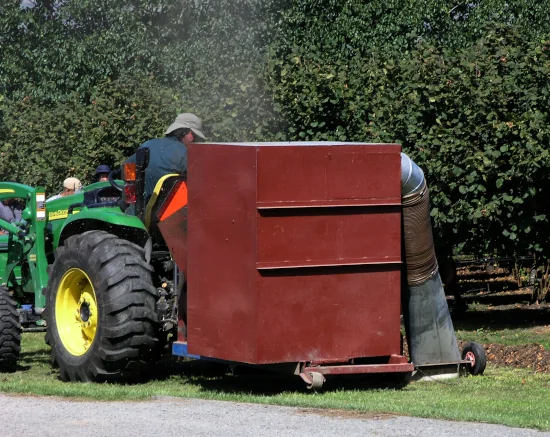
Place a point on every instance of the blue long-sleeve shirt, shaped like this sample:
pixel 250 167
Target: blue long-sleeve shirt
pixel 9 213
pixel 166 155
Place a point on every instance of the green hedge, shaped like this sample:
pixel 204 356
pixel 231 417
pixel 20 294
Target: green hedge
pixel 49 143
pixel 89 81
pixel 463 86
pixel 474 117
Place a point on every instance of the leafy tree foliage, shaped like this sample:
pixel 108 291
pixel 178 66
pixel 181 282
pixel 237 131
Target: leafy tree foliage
pixel 72 137
pixel 462 85
pixel 464 88
pixel 204 57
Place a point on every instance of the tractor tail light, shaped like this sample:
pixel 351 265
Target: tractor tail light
pixel 129 172
pixel 130 193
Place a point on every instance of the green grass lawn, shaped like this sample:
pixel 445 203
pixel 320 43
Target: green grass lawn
pixel 503 396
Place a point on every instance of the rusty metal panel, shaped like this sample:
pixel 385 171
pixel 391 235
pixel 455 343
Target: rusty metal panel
pixel 362 369
pixel 326 313
pixel 221 289
pixel 174 232
pixel 336 175
pixel 254 211
pixel 296 237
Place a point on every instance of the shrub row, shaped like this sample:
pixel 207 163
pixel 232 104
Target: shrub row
pixel 463 86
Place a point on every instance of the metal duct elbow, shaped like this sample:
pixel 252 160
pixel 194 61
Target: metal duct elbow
pixel 419 247
pixel 428 324
pixel 412 176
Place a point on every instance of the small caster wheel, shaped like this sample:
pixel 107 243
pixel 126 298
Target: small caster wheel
pixel 475 354
pixel 317 381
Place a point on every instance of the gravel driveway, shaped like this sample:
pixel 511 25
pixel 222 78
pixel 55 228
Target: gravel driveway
pixel 22 416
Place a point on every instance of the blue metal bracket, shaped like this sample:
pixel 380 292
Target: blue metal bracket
pixel 179 348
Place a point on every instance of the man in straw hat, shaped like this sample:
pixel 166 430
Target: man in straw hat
pixel 70 186
pixel 169 153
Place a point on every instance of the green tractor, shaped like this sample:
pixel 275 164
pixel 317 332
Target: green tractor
pixel 85 269
pixel 23 266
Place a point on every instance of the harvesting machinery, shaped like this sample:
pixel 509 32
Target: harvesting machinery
pixel 296 257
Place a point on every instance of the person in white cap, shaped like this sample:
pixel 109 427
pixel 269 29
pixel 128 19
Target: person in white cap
pixel 169 153
pixel 70 186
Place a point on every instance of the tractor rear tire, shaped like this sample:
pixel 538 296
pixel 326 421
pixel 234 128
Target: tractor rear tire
pixel 10 332
pixel 101 310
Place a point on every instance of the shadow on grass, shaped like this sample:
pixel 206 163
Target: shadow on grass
pixel 28 360
pixel 219 377
pixel 506 318
pixel 243 379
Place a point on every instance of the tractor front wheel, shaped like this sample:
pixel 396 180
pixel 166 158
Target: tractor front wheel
pixel 10 332
pixel 100 312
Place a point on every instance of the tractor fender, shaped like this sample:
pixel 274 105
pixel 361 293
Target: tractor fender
pixel 117 223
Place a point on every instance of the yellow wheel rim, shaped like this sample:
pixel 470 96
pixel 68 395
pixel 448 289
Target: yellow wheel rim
pixel 76 312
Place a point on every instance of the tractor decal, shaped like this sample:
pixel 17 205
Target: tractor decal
pixel 60 214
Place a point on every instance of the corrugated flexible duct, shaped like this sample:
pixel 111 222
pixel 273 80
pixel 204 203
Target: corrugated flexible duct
pixel 430 332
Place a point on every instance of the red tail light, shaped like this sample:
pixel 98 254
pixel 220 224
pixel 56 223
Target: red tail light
pixel 130 193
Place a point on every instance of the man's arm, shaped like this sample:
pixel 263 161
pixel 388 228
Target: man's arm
pixel 56 196
pixel 5 213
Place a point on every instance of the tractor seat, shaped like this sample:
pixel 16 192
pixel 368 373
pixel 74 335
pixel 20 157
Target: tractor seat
pixel 167 189
pixel 160 194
